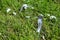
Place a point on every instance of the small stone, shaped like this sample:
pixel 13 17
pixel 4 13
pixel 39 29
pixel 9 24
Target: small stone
pixel 52 17
pixel 14 13
pixel 8 10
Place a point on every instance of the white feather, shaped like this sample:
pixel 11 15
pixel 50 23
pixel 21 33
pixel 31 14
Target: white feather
pixel 39 25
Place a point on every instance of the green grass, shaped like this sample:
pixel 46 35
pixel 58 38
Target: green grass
pixel 18 27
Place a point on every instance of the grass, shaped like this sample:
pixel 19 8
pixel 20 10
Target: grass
pixel 18 27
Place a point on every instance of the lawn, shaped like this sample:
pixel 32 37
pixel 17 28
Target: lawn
pixel 23 25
